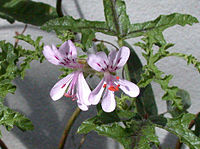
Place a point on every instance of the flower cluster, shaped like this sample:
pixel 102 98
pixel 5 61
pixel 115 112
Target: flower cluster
pixel 75 86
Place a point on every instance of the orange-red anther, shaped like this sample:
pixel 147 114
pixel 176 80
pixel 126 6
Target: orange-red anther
pixel 112 88
pixel 117 77
pixel 104 86
pixel 67 95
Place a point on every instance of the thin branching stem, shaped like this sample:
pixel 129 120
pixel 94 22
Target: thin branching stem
pixel 17 40
pixel 59 8
pixel 82 141
pixel 97 40
pixel 68 128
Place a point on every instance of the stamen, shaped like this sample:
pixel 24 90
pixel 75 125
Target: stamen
pixel 67 95
pixel 104 86
pixel 117 77
pixel 74 99
pixel 112 88
pixel 117 88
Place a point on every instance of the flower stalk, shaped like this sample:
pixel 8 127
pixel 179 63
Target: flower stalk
pixel 68 128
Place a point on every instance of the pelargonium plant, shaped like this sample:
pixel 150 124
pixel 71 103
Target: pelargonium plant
pixel 126 109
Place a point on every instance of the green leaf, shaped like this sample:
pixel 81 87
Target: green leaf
pixel 114 131
pixel 27 11
pixel 7 17
pixel 189 58
pixel 145 103
pixel 86 39
pixel 102 47
pixel 9 118
pixel 186 102
pixel 147 137
pixel 29 55
pixel 85 27
pixel 143 133
pixel 160 24
pixel 179 127
pixel 152 73
pixel 197 125
pixel 6 87
pixel 116 17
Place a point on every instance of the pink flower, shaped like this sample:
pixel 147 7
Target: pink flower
pixel 75 83
pixel 108 65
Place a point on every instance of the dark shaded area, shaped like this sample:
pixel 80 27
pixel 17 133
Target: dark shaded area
pixel 48 122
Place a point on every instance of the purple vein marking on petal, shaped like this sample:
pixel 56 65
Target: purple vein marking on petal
pixel 62 63
pixel 119 60
pixel 56 57
pixel 98 64
pixel 63 85
pixel 66 61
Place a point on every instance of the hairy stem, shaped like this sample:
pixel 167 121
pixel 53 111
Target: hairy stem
pixel 68 128
pixel 82 141
pixel 17 40
pixel 59 8
pixel 3 145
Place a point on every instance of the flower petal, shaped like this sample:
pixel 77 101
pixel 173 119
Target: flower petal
pixel 111 57
pixel 68 49
pixel 121 57
pixel 128 88
pixel 81 105
pixel 50 55
pixel 98 61
pixel 95 95
pixel 108 102
pixel 59 88
pixel 83 90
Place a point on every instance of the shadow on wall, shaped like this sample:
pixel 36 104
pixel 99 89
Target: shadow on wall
pixel 49 117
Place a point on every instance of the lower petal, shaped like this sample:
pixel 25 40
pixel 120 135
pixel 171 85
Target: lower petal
pixel 129 88
pixel 95 95
pixel 80 104
pixel 83 90
pixel 59 88
pixel 108 102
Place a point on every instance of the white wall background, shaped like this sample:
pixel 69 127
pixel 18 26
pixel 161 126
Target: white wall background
pixel 49 118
